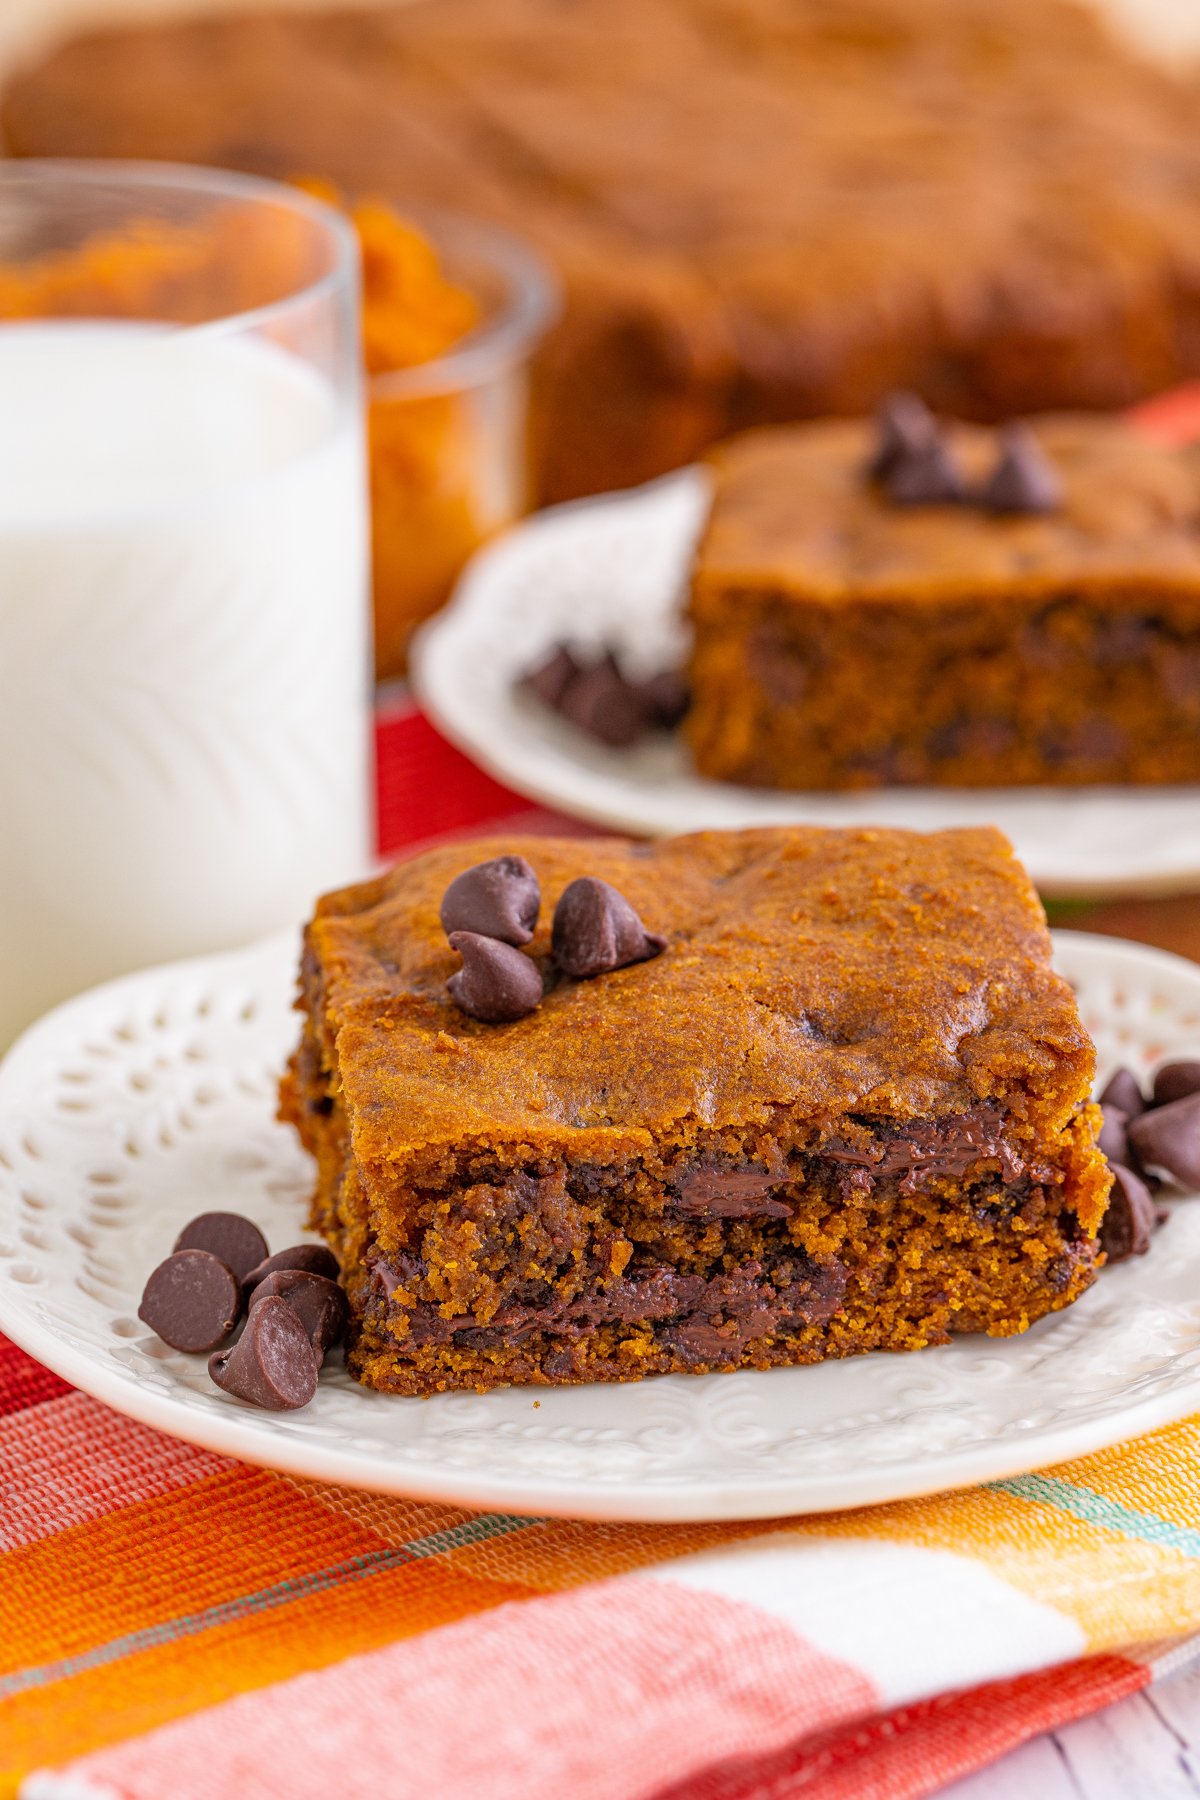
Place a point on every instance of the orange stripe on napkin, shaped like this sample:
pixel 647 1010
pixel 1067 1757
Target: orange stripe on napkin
pixel 243 1530
pixel 551 1554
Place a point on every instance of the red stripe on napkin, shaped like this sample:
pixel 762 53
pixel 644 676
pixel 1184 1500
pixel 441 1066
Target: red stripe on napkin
pixel 426 788
pixel 918 1749
pixel 23 1382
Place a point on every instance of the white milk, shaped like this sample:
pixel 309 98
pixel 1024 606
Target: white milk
pixel 183 649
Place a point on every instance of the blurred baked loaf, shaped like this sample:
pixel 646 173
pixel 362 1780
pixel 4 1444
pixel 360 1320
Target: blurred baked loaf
pixel 761 209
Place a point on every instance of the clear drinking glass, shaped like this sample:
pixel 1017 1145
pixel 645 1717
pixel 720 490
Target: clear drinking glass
pixel 450 451
pixel 184 642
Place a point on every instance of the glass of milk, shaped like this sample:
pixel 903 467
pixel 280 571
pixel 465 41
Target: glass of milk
pixel 184 700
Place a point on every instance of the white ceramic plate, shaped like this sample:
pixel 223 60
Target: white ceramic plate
pixel 611 571
pixel 132 1108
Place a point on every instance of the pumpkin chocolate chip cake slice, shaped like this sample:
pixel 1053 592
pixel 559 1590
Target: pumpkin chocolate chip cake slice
pixel 929 602
pixel 753 1098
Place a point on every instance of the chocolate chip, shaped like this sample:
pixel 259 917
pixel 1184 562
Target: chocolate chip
pixel 496 984
pixel 237 1241
pixel 319 1303
pixel 499 899
pixel 1113 1141
pixel 601 702
pixel 1123 1091
pixel 1024 479
pixel 1168 1138
pixel 1130 1219
pixel 714 1181
pixel 192 1300
pixel 315 1259
pixel 1175 1081
pixel 665 697
pixel 700 1343
pixel 710 1190
pixel 925 476
pixel 596 930
pixel 1122 640
pixel 272 1365
pixel 988 738
pixel 905 426
pixel 548 681
pixel 1097 741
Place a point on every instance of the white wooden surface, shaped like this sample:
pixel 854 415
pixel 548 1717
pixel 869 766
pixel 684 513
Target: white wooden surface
pixel 1144 1748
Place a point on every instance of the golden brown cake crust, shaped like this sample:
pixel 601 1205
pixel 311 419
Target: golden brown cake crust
pixel 829 972
pixel 845 1108
pixel 842 640
pixel 793 511
pixel 761 209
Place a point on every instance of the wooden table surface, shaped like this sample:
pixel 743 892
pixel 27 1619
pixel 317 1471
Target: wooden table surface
pixel 1145 1748
pixel 1170 924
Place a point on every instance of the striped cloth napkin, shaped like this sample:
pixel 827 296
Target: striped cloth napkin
pixel 178 1626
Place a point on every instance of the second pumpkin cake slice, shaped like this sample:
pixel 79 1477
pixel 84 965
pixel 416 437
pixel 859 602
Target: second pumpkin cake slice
pixel 938 603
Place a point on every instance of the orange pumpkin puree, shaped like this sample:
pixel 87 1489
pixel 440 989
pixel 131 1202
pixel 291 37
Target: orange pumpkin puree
pixel 428 455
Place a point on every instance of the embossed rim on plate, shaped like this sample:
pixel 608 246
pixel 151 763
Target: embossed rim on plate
pixel 166 1078
pixel 610 569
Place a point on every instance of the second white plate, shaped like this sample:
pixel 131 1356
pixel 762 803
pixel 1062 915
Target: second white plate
pixel 611 571
pixel 136 1106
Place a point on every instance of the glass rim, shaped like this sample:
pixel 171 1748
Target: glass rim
pixel 533 302
pixel 229 184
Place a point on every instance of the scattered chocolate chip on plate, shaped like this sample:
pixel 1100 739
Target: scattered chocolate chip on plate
pixel 317 1259
pixel 273 1364
pixel 192 1300
pixel 237 1241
